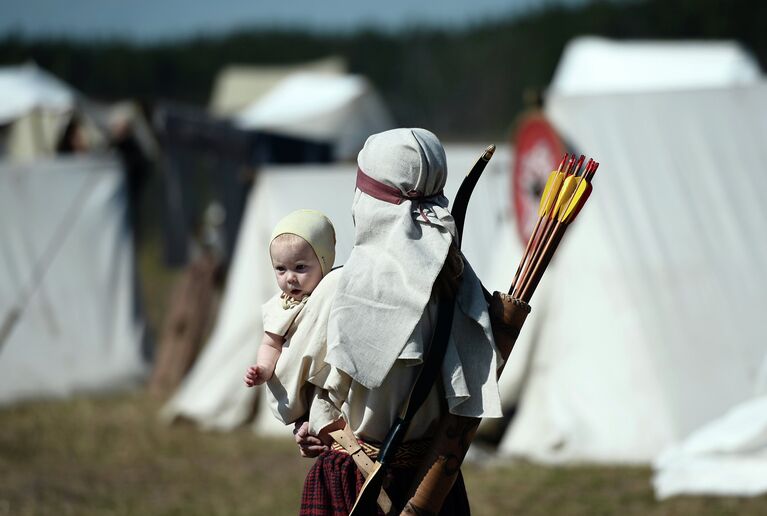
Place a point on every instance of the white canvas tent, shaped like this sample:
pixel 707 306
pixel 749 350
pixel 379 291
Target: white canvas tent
pixel 727 456
pixel 342 110
pixel 27 87
pixel 593 65
pixel 36 107
pixel 67 321
pixel 649 324
pixel 213 394
pixel 238 86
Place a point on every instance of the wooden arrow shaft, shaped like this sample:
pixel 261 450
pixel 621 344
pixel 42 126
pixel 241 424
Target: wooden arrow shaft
pixel 542 262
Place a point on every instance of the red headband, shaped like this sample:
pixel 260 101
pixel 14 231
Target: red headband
pixel 387 193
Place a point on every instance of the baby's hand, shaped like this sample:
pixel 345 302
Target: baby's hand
pixel 255 376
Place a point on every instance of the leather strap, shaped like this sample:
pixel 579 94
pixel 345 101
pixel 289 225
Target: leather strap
pixel 345 437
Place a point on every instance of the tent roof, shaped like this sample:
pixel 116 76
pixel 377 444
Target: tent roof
pixel 238 86
pixel 340 109
pixel 592 65
pixel 303 96
pixel 26 87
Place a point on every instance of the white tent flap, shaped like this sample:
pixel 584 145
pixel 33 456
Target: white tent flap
pixel 66 295
pixel 727 456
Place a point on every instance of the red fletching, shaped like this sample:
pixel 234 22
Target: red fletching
pixel 580 203
pixel 590 176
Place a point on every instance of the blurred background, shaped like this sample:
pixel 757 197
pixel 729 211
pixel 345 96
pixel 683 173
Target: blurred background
pixel 147 149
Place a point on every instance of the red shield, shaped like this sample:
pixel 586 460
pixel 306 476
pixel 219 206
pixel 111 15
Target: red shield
pixel 537 151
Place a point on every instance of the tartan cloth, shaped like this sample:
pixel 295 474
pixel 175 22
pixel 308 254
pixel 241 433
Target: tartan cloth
pixel 332 484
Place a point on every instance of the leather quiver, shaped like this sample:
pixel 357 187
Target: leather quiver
pixel 455 433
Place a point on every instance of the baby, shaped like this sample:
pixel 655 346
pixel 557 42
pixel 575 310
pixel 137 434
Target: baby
pixel 302 250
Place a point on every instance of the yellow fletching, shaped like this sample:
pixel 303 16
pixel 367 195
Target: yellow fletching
pixel 568 213
pixel 553 184
pixel 564 195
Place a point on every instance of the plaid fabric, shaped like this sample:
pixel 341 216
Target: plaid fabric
pixel 332 484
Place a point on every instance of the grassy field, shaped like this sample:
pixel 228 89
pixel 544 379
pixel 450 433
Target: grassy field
pixel 111 456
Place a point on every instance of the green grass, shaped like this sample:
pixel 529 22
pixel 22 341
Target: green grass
pixel 111 456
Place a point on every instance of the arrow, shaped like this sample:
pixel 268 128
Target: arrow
pixel 550 192
pixel 553 208
pixel 568 206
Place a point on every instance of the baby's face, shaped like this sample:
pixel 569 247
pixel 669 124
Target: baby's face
pixel 296 267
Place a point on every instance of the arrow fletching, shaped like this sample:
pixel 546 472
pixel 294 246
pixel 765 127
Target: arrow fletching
pixel 590 174
pixel 564 196
pixel 550 192
pixel 580 196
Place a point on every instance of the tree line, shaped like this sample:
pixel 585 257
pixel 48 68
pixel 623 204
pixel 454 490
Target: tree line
pixel 468 83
